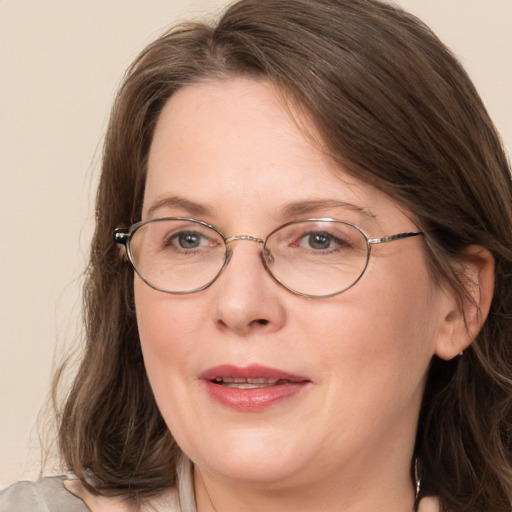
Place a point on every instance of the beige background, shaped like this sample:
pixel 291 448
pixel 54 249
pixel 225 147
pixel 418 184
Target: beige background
pixel 60 63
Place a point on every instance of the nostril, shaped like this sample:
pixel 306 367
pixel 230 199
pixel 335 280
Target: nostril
pixel 261 321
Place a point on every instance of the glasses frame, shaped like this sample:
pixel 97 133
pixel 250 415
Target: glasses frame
pixel 123 236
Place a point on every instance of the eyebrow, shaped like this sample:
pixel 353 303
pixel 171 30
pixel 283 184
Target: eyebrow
pixel 191 207
pixel 301 208
pixel 291 210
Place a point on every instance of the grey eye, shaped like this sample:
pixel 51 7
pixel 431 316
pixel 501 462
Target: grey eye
pixel 188 240
pixel 319 241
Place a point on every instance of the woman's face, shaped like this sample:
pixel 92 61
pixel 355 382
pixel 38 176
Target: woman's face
pixel 352 366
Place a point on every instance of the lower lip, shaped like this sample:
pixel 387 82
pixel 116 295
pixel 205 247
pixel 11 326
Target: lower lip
pixel 253 400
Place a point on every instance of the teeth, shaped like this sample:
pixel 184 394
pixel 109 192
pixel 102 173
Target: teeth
pixel 246 385
pixel 271 382
pixel 235 382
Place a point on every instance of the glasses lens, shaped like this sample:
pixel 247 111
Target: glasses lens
pixel 177 255
pixel 317 258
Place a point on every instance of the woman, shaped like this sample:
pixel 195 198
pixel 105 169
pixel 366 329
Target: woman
pixel 317 209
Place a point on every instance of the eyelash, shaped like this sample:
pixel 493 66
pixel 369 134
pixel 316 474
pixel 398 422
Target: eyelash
pixel 340 243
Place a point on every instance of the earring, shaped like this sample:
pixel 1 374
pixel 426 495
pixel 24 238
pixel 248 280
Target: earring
pixel 417 478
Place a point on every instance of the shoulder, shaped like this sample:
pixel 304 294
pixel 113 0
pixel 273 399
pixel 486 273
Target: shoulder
pixel 45 495
pixel 61 494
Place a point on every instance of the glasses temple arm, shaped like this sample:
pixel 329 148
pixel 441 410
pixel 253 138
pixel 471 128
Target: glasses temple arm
pixel 392 238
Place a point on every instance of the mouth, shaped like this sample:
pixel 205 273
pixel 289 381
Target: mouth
pixel 250 377
pixel 252 388
pixel 234 382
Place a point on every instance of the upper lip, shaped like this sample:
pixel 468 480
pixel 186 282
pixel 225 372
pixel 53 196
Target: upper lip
pixel 253 371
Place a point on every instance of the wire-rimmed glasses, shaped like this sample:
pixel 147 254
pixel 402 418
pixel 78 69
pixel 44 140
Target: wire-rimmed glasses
pixel 316 258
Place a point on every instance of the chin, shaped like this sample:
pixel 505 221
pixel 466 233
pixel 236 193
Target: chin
pixel 265 457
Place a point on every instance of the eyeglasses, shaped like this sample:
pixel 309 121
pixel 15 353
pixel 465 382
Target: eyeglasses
pixel 312 257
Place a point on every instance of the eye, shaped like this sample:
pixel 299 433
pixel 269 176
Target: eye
pixel 319 241
pixel 322 241
pixel 188 240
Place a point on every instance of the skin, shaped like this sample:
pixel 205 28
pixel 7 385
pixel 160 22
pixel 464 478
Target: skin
pixel 345 442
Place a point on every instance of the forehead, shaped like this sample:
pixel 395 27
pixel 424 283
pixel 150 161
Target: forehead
pixel 233 147
pixel 234 126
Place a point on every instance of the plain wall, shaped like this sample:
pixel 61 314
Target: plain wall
pixel 61 62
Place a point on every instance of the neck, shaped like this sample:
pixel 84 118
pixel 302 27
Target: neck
pixel 385 494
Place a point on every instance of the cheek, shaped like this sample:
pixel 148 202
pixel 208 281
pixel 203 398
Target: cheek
pixel 168 327
pixel 164 319
pixel 407 320
pixel 377 341
pixel 404 300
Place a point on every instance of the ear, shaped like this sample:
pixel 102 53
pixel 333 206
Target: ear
pixel 463 318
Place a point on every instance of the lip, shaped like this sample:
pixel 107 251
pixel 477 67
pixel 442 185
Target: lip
pixel 254 399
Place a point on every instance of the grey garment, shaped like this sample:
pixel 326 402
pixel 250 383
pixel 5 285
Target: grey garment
pixel 45 495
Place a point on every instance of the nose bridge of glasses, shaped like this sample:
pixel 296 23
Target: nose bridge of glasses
pixel 248 238
pixel 244 237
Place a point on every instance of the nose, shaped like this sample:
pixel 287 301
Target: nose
pixel 248 299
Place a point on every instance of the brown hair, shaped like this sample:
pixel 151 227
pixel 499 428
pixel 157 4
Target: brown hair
pixel 392 106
